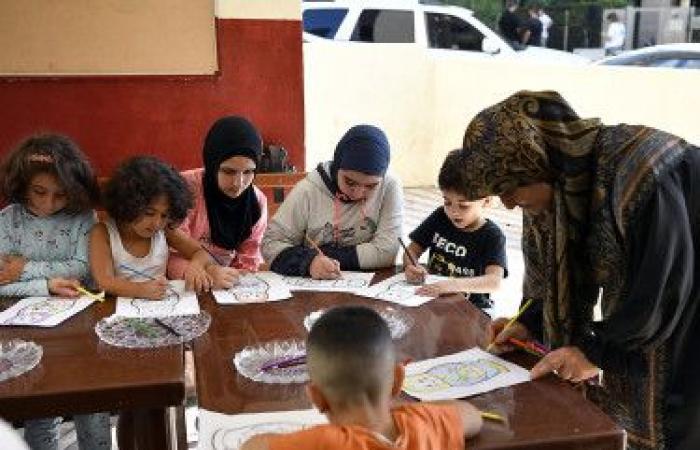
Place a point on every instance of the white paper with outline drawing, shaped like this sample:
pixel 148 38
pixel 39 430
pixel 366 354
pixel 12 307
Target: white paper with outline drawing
pixel 397 290
pixel 462 374
pixel 254 288
pixel 177 302
pixel 352 282
pixel 43 311
pixel 228 432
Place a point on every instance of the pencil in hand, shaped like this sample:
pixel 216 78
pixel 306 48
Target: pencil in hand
pixel 315 246
pixel 405 249
pixel 511 321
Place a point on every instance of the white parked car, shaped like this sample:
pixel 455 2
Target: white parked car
pixel 679 56
pixel 440 28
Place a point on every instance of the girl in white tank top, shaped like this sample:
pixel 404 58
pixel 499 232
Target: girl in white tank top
pixel 145 200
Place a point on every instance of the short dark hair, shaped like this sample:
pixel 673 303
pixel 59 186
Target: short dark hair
pixel 350 354
pixel 140 180
pixel 451 177
pixel 612 17
pixel 54 154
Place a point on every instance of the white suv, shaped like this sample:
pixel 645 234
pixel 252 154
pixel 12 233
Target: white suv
pixel 434 26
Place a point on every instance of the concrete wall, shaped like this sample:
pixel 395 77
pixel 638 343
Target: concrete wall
pixel 425 101
pixel 112 117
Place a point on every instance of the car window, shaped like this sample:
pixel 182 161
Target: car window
pixel 690 64
pixel 446 31
pixel 376 25
pixel 666 62
pixel 324 22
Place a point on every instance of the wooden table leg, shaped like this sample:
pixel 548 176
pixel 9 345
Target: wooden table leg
pixel 151 429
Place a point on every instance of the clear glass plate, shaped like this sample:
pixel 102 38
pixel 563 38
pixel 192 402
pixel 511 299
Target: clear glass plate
pixel 250 361
pixel 17 357
pixel 398 321
pixel 148 333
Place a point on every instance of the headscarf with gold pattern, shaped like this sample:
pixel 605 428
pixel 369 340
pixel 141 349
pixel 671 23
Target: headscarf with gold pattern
pixel 580 245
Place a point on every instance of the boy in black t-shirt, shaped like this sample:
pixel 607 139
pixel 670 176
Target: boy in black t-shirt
pixel 463 244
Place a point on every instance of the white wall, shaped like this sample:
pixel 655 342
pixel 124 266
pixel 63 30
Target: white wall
pixel 424 101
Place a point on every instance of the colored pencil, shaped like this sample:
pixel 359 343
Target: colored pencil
pixel 98 297
pixel 492 416
pixel 405 249
pixel 167 327
pixel 314 245
pixel 281 364
pixel 527 346
pixel 512 321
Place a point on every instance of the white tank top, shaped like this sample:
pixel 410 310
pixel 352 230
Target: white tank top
pixel 131 267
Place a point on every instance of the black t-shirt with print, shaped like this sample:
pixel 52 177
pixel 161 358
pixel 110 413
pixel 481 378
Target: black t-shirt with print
pixel 459 253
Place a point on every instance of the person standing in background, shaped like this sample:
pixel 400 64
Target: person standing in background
pixel 546 23
pixel 532 29
pixel 615 37
pixel 510 24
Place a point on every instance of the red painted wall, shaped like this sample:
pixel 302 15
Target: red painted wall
pixel 260 77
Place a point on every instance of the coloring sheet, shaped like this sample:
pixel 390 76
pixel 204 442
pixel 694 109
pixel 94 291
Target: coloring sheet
pixel 397 290
pixel 177 302
pixel 228 432
pixel 459 375
pixel 43 311
pixel 353 282
pixel 254 288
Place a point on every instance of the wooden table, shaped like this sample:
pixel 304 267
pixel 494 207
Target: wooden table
pixel 545 414
pixel 79 374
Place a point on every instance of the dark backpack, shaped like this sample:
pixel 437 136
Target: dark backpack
pixel 274 159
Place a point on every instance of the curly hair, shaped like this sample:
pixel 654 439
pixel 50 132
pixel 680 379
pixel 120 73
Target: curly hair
pixel 137 182
pixel 54 154
pixel 451 177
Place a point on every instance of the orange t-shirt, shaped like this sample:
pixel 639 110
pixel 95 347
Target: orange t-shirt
pixel 420 427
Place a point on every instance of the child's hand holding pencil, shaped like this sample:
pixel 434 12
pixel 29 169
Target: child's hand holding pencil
pixel 322 267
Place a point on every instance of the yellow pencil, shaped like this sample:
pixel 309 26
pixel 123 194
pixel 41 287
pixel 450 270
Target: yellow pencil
pixel 512 321
pixel 99 297
pixel 492 416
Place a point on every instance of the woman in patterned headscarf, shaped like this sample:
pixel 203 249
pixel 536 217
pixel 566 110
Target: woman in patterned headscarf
pixel 612 210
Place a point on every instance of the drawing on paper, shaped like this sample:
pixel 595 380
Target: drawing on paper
pixel 454 374
pixel 167 306
pixel 233 438
pixel 398 291
pixel 177 302
pixel 41 311
pixel 254 288
pixel 348 281
pixel 251 288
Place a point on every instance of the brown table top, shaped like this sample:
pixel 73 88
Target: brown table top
pixel 79 374
pixel 544 414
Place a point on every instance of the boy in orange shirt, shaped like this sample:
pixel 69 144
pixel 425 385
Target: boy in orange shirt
pixel 354 376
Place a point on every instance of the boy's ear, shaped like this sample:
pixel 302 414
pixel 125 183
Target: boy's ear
pixel 488 202
pixel 317 398
pixel 399 375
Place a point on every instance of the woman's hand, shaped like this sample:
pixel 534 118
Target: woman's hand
pixel 440 288
pixel 324 268
pixel 63 287
pixel 415 274
pixel 197 278
pixel 499 335
pixel 223 277
pixel 568 362
pixel 12 268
